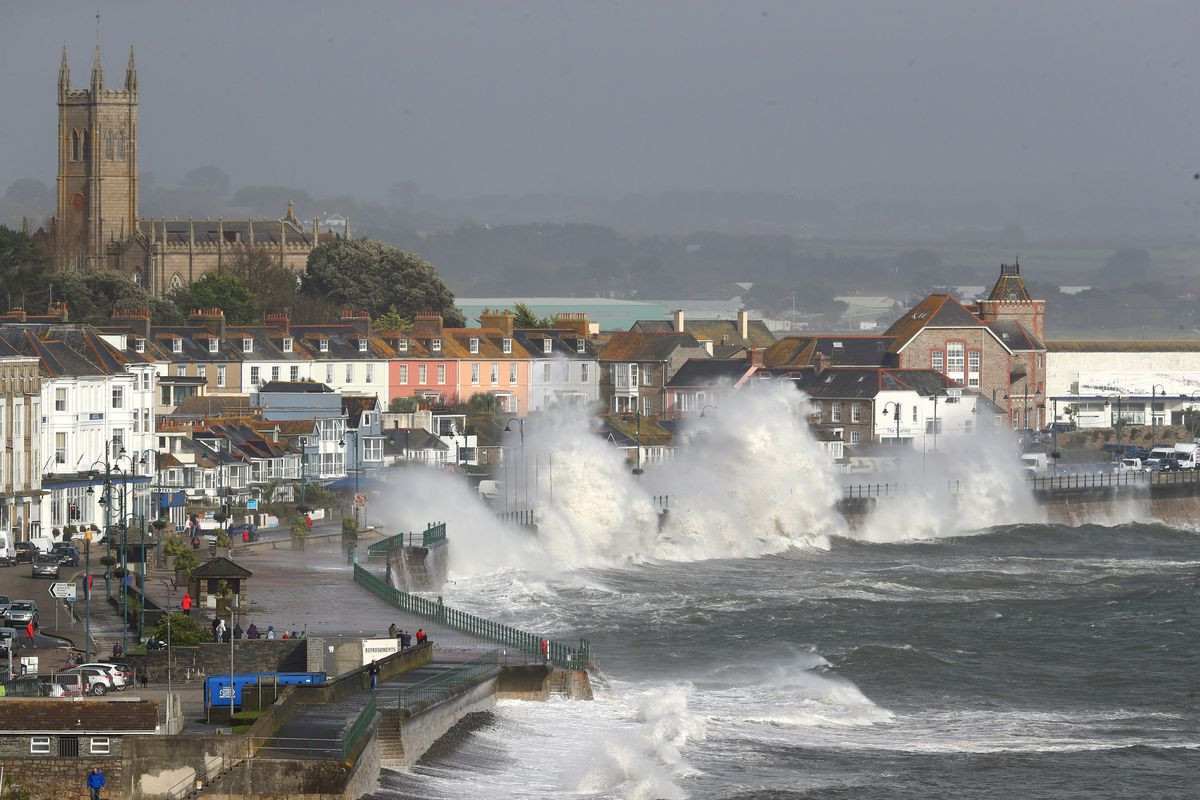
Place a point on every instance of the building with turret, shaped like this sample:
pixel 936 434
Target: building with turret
pixel 97 222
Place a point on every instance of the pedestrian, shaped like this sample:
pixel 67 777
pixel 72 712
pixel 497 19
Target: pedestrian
pixel 29 631
pixel 252 631
pixel 421 636
pixel 95 782
pixel 285 635
pixel 405 640
pixel 187 604
pixel 270 631
pixel 142 679
pixel 374 674
pixel 393 631
pixel 308 522
pixel 237 631
pixel 220 631
pixel 216 621
pixel 117 650
pixel 295 634
pixel 546 650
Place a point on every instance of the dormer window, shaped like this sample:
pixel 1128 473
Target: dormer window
pixel 546 345
pixel 581 345
pixel 287 345
pixel 402 345
pixel 139 345
pixel 362 345
pixel 212 345
pixel 435 345
pixel 247 345
pixel 507 346
pixel 323 346
pixel 474 346
pixel 177 345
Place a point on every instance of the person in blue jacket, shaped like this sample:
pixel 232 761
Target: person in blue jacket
pixel 95 782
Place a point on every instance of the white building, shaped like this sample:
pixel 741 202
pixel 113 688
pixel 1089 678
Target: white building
pixel 20 423
pixel 563 369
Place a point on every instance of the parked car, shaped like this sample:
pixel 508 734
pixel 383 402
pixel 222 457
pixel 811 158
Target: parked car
pixel 238 532
pixel 24 552
pixel 21 613
pixel 9 640
pixel 1059 427
pixel 121 667
pixel 67 554
pixel 8 555
pixel 116 673
pixel 73 684
pixel 46 565
pixel 1035 464
pixel 1131 465
pixel 5 602
pixel 53 690
pixel 1166 465
pixel 490 490
pixel 99 680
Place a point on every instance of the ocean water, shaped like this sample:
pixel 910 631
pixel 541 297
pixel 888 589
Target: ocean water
pixel 1021 661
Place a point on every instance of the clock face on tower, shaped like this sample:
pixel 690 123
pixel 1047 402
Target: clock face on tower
pixel 77 202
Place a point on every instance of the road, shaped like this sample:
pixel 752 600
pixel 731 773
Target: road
pixel 19 584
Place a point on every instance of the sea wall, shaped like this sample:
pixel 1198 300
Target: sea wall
pixel 404 738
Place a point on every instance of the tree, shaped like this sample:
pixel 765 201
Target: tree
pixel 391 320
pixel 482 403
pixel 22 269
pixel 92 296
pixel 403 405
pixel 185 631
pixel 523 317
pixel 373 276
pixel 226 292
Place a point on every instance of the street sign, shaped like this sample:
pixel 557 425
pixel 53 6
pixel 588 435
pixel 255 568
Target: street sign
pixel 360 500
pixel 62 591
pixel 252 505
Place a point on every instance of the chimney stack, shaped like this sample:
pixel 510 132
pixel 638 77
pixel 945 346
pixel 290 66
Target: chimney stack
pixel 137 320
pixel 743 323
pixel 427 325
pixel 359 320
pixel 756 357
pixel 280 320
pixel 501 320
pixel 677 316
pixel 212 319
pixel 575 321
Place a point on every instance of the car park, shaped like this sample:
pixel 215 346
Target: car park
pixel 21 613
pixel 46 565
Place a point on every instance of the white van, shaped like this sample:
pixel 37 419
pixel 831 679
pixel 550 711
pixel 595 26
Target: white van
pixel 43 544
pixel 8 552
pixel 490 490
pixel 1035 464
pixel 1186 455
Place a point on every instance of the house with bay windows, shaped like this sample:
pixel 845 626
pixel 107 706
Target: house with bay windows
pixel 635 369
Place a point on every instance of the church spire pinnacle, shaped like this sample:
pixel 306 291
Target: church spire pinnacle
pixel 64 73
pixel 131 73
pixel 97 72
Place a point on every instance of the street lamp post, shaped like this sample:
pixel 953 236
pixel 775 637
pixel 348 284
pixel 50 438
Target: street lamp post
pixel 357 468
pixel 1191 409
pixel 1117 421
pixel 705 408
pixel 508 429
pixel 87 597
pixel 896 411
pixel 124 562
pixel 1153 417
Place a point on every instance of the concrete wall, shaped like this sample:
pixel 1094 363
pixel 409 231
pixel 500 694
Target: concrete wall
pixel 404 739
pixel 156 764
pixel 49 778
pixel 193 664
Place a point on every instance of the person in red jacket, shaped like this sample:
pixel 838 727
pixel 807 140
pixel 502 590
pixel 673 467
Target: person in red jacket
pixel 187 604
pixel 29 630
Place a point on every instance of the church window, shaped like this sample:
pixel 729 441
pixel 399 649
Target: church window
pixel 87 145
pixel 176 282
pixel 120 145
pixel 110 145
pixel 76 151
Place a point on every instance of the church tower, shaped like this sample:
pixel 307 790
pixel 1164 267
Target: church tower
pixel 97 204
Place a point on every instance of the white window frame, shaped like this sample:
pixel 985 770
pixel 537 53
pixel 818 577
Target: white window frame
pixel 220 376
pixel 99 745
pixel 370 376
pixel 583 372
pixel 402 345
pixel 288 344
pixel 323 345
pixel 404 374
pixel 202 371
pixel 581 345
pixel 633 375
pixel 294 373
pixel 213 345
pixel 422 374
pixel 475 374
pixel 139 345
pixel 495 375
pixel 937 361
pixel 350 372
pixel 247 344
pixel 362 345
pixel 435 345
pixel 547 345
pixel 329 373
pixel 177 345
pixel 506 346
pixel 835 411
pixel 39 745
pixel 254 376
pixel 60 399
pixel 512 374
pixel 855 412
pixel 647 374
pixel 441 374
pixel 473 346
pixel 275 373
pixel 118 397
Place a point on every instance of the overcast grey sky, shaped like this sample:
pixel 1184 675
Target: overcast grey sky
pixel 620 96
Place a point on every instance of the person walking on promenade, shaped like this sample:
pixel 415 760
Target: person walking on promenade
pixel 29 631
pixel 308 522
pixel 421 637
pixel 405 640
pixel 252 631
pixel 219 632
pixel 187 604
pixel 270 631
pixel 237 631
pixel 374 674
pixel 95 782
pixel 393 631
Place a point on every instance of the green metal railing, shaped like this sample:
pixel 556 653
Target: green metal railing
pixel 480 628
pixel 452 682
pixel 521 517
pixel 434 532
pixel 356 731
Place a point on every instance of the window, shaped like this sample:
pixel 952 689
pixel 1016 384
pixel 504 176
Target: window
pixel 933 425
pixel 145 381
pixel 474 374
pixel 60 448
pixel 647 405
pixel 936 360
pixel 581 345
pixel 247 345
pixel 954 358
pixel 914 408
pixel 546 373
pixel 370 369
pixel 68 746
pixel 583 373
pixel 435 345
pixel 60 399
pixel 495 374
pixel 254 376
pixel 139 345
pixel 214 343
pixel 855 412
pixel 99 745
pixel 294 373
pixel 118 440
pixel 110 146
pixel 118 397
pixel 75 149
pixel 329 373
pixel 547 345
pixel 402 345
pixel 973 368
pixel 835 411
pixel 39 745
pixel 287 344
pixel 441 373
pixel 633 375
pixel 362 345
pixel 202 371
pixel 146 426
pixel 473 345
pixel 121 146
pixel 274 373
pixel 349 373
pixel 177 345
pixel 507 346
pixel 404 373
pixel 512 374
pixel 323 345
pixel 422 372
pixel 853 437
pixel 137 425
pixel 181 370
pixel 220 376
pixel 647 374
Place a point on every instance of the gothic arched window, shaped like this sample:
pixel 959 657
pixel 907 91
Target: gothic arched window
pixel 87 145
pixel 110 145
pixel 176 282
pixel 120 145
pixel 76 153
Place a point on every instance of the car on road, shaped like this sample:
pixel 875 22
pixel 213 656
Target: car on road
pixel 21 613
pixel 46 565
pixel 1131 465
pixel 99 680
pixel 116 673
pixel 9 640
pixel 67 554
pixel 5 602
pixel 24 552
pixel 8 555
pixel 1165 465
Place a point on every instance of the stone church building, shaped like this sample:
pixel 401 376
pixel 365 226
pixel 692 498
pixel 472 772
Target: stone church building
pixel 97 224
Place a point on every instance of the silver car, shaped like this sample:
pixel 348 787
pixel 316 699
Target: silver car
pixel 21 613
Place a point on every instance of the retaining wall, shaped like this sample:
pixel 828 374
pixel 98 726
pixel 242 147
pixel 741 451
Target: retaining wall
pixel 403 738
pixel 194 664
